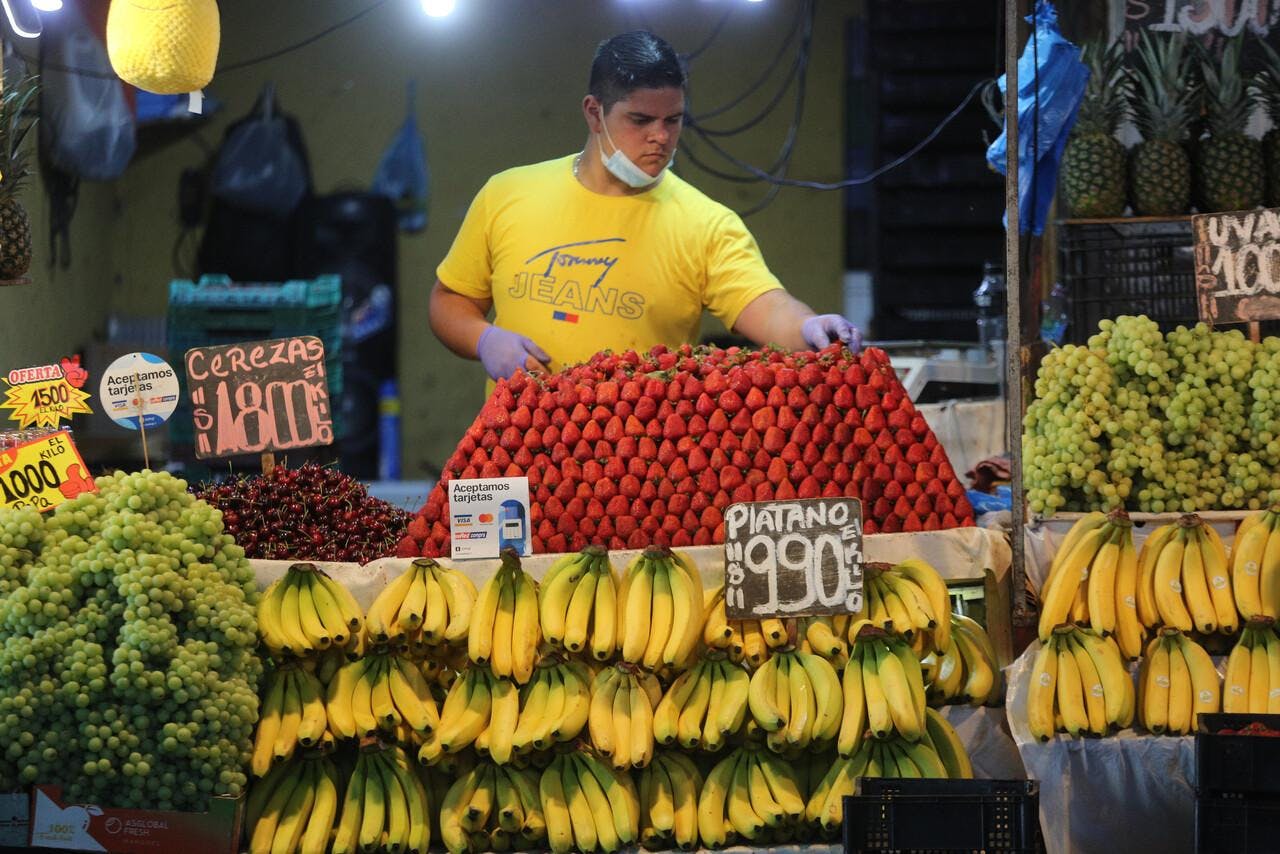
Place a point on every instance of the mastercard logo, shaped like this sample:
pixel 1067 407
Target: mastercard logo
pixel 485 517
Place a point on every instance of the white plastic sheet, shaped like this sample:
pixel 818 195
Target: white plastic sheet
pixel 984 731
pixel 1127 792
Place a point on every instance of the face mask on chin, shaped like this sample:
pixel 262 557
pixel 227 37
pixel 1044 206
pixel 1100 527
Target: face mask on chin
pixel 624 168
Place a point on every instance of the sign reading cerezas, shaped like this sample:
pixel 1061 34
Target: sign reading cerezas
pixel 46 395
pixel 259 397
pixel 1238 266
pixel 487 515
pixel 793 558
pixel 43 473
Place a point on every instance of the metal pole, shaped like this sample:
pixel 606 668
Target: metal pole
pixel 1014 354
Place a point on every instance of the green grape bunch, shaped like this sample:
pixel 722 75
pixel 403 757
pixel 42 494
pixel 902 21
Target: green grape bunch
pixel 128 666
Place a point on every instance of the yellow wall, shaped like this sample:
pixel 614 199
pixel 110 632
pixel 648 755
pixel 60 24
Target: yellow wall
pixel 499 84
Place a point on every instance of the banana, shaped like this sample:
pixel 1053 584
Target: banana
pixel 1168 584
pixel 274 810
pixel 503 661
pixel 712 802
pixel 269 606
pixel 744 819
pixel 981 673
pixel 803 711
pixel 853 722
pixel 604 634
pixel 555 807
pixel 913 598
pixel 324 809
pixel 585 831
pixel 600 715
pixel 1218 573
pixel 950 750
pixel 339 698
pixel 1206 696
pixel 661 617
pixel 374 813
pixel 1259 676
pixel 466 712
pixel 504 714
pixel 601 816
pixel 623 806
pixel 460 597
pixel 1148 557
pixel 716 632
pixel 903 622
pixel 712 738
pixel 308 615
pixel 879 718
pixel 760 697
pixel 381 624
pixel 1155 705
pixel 1273 670
pixel 290 718
pixel 314 721
pixel 1195 585
pixel 733 709
pixel 637 608
pixel 1129 630
pixel 1061 586
pixel 1246 563
pixel 666 717
pixel 1042 693
pixel 1101 586
pixel 383 707
pixel 412 697
pixel 1088 522
pixel 685 785
pixel 1181 699
pixel 1070 690
pixel 1111 673
pixel 397 805
pixel 435 610
pixel 559 585
pixel 897 693
pixel 829 696
pixel 269 721
pixel 1091 687
pixel 296 641
pixel 483 616
pixel 686 592
pixel 578 615
pixel 935 589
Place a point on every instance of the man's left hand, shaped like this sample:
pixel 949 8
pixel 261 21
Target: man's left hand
pixel 823 329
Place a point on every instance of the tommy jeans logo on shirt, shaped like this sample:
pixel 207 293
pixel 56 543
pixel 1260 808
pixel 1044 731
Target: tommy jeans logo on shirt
pixel 550 283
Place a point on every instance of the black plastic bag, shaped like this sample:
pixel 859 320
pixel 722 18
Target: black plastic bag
pixel 259 168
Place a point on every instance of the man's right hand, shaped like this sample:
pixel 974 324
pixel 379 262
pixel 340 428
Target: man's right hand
pixel 503 352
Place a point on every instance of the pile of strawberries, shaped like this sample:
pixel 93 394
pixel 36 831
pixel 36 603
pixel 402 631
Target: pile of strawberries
pixel 630 450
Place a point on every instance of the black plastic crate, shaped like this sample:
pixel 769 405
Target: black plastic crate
pixel 1237 764
pixel 905 816
pixel 1237 826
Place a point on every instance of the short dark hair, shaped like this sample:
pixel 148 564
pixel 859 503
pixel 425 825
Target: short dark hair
pixel 630 61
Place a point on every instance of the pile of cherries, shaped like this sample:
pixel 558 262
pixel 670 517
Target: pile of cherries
pixel 308 513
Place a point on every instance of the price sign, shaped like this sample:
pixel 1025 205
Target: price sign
pixel 47 395
pixel 259 397
pixel 793 558
pixel 43 473
pixel 1238 266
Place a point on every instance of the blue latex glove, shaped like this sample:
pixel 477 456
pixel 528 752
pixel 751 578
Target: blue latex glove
pixel 503 352
pixel 823 329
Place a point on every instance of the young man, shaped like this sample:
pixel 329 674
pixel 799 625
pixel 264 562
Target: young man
pixel 607 249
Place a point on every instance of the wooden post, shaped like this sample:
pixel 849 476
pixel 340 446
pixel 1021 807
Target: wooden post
pixel 1014 348
pixel 142 422
pixel 268 463
pixel 1255 331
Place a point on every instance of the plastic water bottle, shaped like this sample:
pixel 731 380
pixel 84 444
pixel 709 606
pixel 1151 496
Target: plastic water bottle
pixel 990 300
pixel 389 431
pixel 1053 315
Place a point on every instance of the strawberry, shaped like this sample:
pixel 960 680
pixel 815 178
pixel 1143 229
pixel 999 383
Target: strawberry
pixel 874 419
pixel 684 409
pixel 809 488
pixel 764 491
pixel 719 459
pixel 646 409
pixel 522 418
pixel 761 460
pixel 905 438
pixel 919 426
pixel 678 501
pixel 655 389
pixel 763 419
pixel 811 455
pixel 902 508
pixel 604 450
pixel 697 425
pixel 862 438
pixel 614 429
pixel 870 490
pixel 810 375
pixel 740 422
pixel 942 503
pixel 853 418
pixel 787 418
pixel 790 453
pixel 489 440
pixel 872 456
pixel 821 395
pixel 666 453
pixel 740 459
pixel 631 391
pixel 775 439
pixel 638 540
pixel 892 399
pixel 678 469
pixel 963 509
pixel 882 508
pixel 622 409
pixel 653 429
pixel 753 476
pixel 916 454
pixel 751 441
pixel 511 438
pixel 617 505
pixel 821 470
pixel 922 506
pixel 591 432
pixel 912 523
pixel 811 414
pixel 697 460
pixel 489 469
pixel 708 482
pixel 701 537
pixel 869 526
pixel 730 477
pixel 655 473
pixel 938 454
pixel 831 454
pixel 893 455
pixel 903 473
pixel 775 398
pixel 802 434
pixel 715 382
pixel 898 419
pixel 629 487
pixel 934 488
pixel 955 490
pixel 892 490
pixel 926 472
pixel 884 440
pixel 606 393
pixel 700 501
pixel 797 399
pixel 711 518
pixel 575 508
pixel 786 378
pixel 744 493
pixel 647 449
pixel 720 499
pixel 513 470
pixel 580 414
pixel 933 523
pixel 740 381
pixel 478 458
pixel 842 474
pixel 605 488
pixel 717 422
pixel 777 471
pixel 944 471
pixel 843 397
pixel 692 388
pixel 626 448
pixel 496 419
pixel 685 445
pixel 637 467
pixel 731 402
pixel 949 520
pixel 755 399
pixel 657 508
pixel 785 491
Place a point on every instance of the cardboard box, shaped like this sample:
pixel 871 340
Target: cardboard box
pixel 89 827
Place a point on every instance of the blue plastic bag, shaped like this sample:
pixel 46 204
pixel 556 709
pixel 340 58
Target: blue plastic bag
pixel 1061 79
pixel 402 175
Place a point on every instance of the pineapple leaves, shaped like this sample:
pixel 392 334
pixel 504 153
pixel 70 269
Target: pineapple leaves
pixel 14 127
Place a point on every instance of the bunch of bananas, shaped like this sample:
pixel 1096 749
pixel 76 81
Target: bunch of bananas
pixel 669 787
pixel 1255 565
pixel 1184 581
pixel 750 796
pixel 293 808
pixel 966 673
pixel 305 610
pixel 908 598
pixel 825 636
pixel 578 603
pixel 553 706
pixel 660 609
pixel 505 629
pixel 292 714
pixel 704 705
pixel 1253 671
pixel 381 691
pixel 620 718
pixel 1177 683
pixel 493 808
pixel 1093 581
pixel 480 709
pixel 586 805
pixel 883 691
pixel 425 606
pixel 385 806
pixel 891 757
pixel 751 641
pixel 1079 685
pixel 795 697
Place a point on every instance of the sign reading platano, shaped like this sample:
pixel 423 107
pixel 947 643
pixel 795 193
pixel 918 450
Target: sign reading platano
pixel 47 395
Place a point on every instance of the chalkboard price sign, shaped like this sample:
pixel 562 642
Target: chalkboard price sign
pixel 1238 266
pixel 259 397
pixel 793 558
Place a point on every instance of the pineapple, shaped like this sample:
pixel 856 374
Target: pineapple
pixel 1166 104
pixel 1229 168
pixel 1265 89
pixel 15 224
pixel 1093 164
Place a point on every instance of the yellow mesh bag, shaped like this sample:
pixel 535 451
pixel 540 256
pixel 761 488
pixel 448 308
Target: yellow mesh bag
pixel 169 47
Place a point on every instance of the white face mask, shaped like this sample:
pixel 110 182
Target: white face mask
pixel 623 167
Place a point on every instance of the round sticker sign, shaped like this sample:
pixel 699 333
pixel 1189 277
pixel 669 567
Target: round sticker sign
pixel 139 389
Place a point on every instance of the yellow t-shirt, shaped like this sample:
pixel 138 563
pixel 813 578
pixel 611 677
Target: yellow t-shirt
pixel 579 272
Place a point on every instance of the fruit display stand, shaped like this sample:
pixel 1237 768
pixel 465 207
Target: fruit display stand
pixel 1094 791
pixel 961 555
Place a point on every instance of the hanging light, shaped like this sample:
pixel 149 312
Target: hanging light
pixel 438 8
pixel 47 5
pixel 22 18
